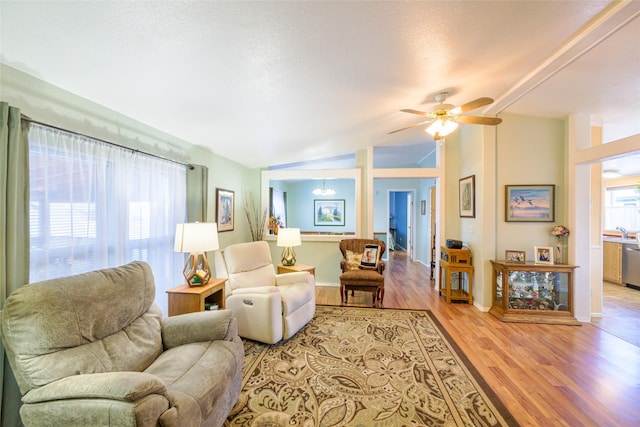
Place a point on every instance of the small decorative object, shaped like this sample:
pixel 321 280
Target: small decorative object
pixel 560 231
pixel 225 207
pixel 543 254
pixel 328 212
pixel 529 203
pixel 518 257
pixel 369 260
pixel 274 224
pixel 196 238
pixel 467 194
pixel 287 239
pixel 255 218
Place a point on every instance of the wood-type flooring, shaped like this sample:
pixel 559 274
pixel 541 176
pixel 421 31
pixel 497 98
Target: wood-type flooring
pixel 546 375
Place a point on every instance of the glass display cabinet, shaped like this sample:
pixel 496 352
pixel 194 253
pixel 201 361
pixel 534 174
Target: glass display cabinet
pixel 533 293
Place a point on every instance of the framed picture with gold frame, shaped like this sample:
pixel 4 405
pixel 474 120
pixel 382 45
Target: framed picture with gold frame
pixel 518 257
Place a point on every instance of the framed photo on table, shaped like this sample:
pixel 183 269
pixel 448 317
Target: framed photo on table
pixel 530 203
pixel 543 254
pixel 518 257
pixel 225 209
pixel 467 194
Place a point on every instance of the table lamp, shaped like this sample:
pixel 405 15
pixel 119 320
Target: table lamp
pixel 288 238
pixel 196 238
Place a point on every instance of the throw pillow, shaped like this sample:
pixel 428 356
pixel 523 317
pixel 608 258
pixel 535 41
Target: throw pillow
pixel 353 260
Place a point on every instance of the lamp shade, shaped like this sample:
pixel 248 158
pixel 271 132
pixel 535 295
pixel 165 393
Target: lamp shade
pixel 289 237
pixel 196 237
pixel 442 127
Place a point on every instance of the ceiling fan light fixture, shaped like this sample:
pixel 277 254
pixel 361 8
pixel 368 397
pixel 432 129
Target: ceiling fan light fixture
pixel 441 127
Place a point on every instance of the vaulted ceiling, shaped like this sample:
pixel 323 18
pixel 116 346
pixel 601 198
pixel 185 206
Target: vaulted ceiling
pixel 267 83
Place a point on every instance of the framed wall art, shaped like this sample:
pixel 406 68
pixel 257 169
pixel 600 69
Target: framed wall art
pixel 543 254
pixel 515 256
pixel 225 209
pixel 467 202
pixel 328 212
pixel 530 203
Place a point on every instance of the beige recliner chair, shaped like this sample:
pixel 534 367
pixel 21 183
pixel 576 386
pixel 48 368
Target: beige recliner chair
pixel 269 306
pixel 94 350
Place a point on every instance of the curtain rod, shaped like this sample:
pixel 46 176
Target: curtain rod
pixel 135 150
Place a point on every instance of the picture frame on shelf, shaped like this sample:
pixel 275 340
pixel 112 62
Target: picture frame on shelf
pixel 530 203
pixel 225 209
pixel 517 257
pixel 328 212
pixel 543 254
pixel 467 197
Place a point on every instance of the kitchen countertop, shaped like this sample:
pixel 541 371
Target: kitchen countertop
pixel 619 240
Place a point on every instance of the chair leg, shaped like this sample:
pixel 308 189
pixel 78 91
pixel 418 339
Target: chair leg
pixel 381 295
pixel 342 294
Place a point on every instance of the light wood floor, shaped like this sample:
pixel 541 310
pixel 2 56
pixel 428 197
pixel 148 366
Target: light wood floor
pixel 546 375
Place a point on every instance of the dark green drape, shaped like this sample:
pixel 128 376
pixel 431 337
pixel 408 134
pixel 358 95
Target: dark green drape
pixel 14 236
pixel 197 187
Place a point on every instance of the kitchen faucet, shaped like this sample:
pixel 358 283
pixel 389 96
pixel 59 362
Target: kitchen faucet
pixel 623 230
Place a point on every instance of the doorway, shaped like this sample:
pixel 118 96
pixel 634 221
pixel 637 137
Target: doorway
pixel 401 221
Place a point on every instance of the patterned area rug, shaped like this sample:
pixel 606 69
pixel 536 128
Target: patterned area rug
pixel 364 367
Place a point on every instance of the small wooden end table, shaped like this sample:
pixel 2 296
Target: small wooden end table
pixel 296 267
pixel 189 299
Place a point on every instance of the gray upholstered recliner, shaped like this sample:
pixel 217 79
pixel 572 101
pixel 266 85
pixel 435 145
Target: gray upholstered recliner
pixel 94 350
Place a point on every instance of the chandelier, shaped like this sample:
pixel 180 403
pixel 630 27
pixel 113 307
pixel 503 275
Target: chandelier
pixel 324 190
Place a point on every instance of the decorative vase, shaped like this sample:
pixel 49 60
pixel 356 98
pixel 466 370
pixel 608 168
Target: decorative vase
pixel 560 251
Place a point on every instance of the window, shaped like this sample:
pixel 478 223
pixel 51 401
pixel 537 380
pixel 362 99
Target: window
pixel 622 208
pixel 94 205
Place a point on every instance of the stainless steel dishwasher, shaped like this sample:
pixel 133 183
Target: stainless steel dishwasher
pixel 631 264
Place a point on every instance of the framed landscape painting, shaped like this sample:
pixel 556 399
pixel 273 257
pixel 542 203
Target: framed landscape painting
pixel 328 212
pixel 529 203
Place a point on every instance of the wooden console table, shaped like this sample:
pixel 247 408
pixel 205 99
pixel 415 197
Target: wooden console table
pixel 189 299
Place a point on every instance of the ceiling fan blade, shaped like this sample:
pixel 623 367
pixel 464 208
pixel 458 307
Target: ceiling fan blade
pixel 409 127
pixel 476 103
pixel 420 113
pixel 477 120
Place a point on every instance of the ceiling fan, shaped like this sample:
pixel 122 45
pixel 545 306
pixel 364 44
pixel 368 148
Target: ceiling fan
pixel 444 118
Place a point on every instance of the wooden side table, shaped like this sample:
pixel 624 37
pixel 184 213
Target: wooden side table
pixel 296 267
pixel 189 299
pixel 461 292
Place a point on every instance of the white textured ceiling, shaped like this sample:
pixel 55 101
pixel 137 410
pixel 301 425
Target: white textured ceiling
pixel 268 83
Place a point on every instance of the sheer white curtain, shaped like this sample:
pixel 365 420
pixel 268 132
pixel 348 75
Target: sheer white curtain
pixel 95 205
